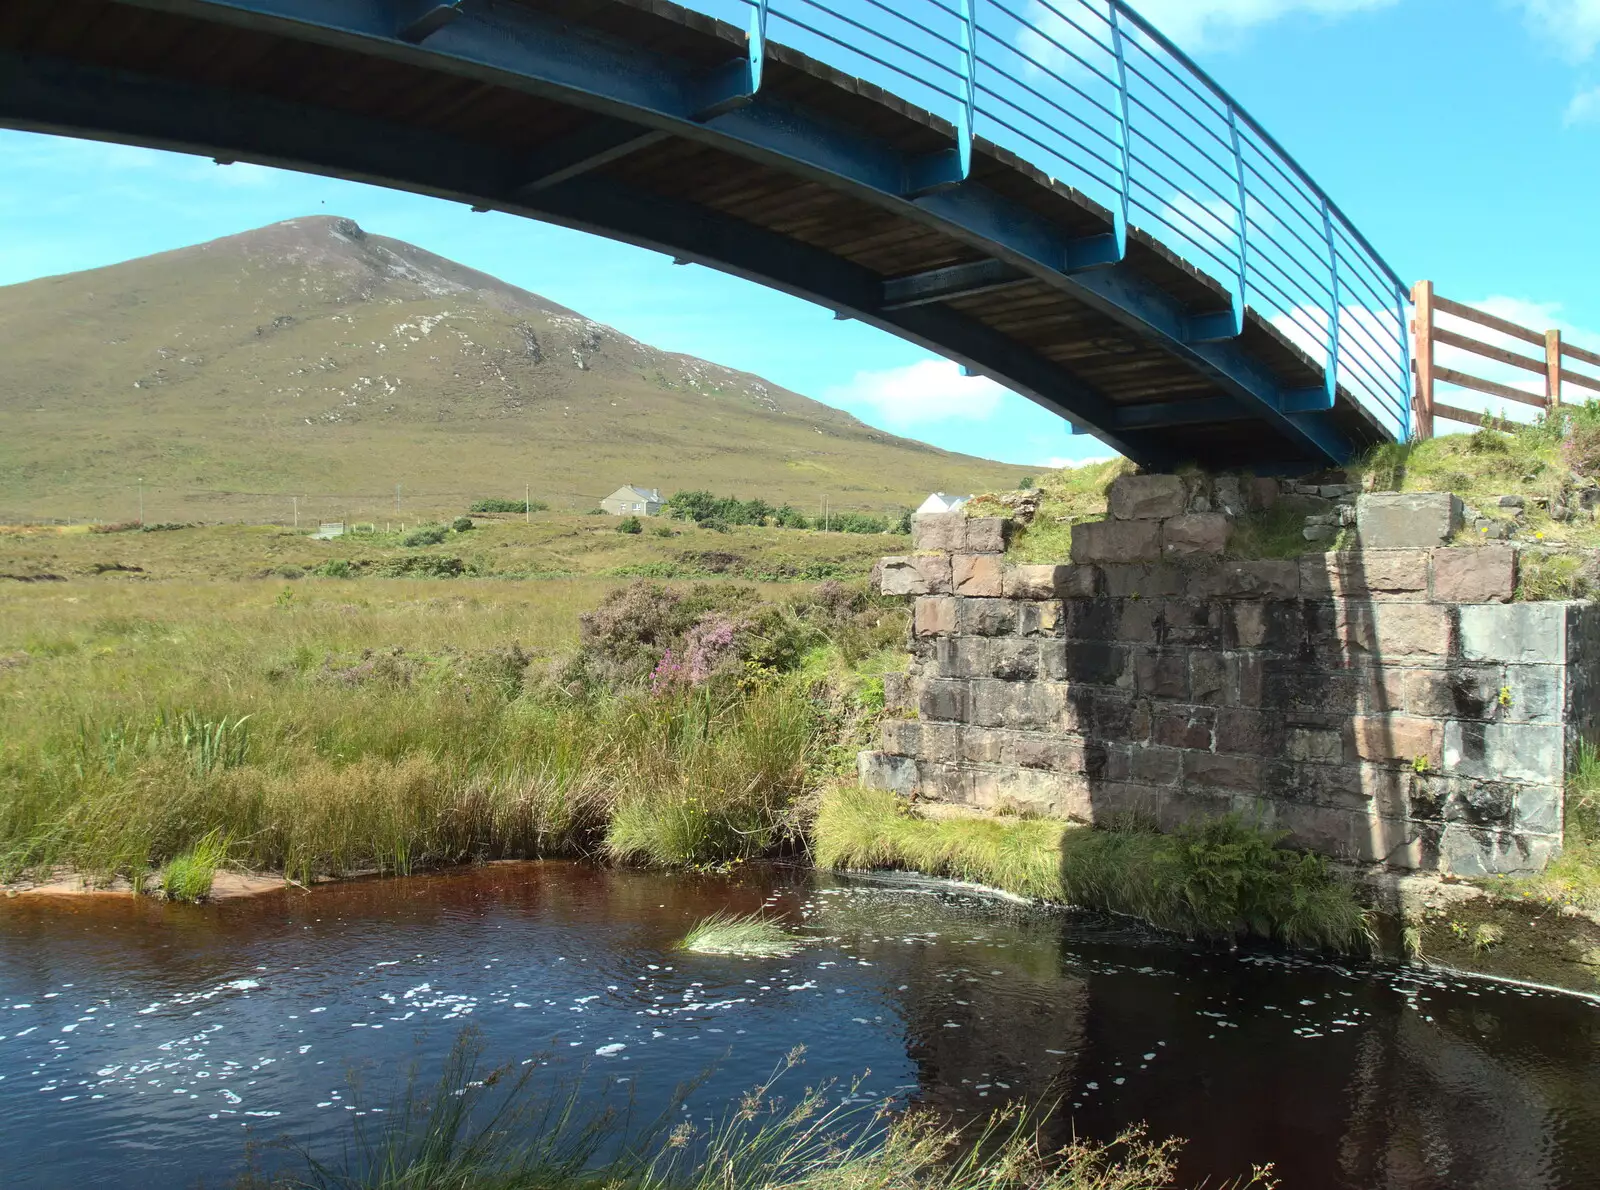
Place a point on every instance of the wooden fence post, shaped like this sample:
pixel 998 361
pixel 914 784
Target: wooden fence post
pixel 1422 337
pixel 1552 364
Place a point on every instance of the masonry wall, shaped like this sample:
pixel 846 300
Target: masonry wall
pixel 1384 705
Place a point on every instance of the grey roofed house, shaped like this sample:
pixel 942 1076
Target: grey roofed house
pixel 629 500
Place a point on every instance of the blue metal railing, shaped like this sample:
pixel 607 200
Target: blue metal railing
pixel 1095 96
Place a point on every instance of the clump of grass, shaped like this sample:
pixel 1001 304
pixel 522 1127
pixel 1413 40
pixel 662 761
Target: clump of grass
pixel 1486 937
pixel 1573 877
pixel 1543 575
pixel 1068 497
pixel 188 877
pixel 747 934
pixel 490 1130
pixel 1217 878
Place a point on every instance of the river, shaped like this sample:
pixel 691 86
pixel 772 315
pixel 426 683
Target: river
pixel 145 1044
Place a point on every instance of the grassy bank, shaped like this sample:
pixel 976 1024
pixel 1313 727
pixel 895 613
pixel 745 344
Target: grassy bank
pixel 474 1131
pixel 503 546
pixel 388 726
pixel 1217 879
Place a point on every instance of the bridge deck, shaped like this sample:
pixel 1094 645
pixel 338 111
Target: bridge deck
pixel 782 190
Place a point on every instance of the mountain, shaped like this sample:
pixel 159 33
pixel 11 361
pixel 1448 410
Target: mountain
pixel 310 358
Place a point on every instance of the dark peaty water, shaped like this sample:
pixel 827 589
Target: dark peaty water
pixel 144 1044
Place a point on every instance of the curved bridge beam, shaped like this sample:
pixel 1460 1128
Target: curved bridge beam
pixel 629 100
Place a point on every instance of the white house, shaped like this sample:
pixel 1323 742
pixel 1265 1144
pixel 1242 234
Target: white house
pixel 940 502
pixel 629 500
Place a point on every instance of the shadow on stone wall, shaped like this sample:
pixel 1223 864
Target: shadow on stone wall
pixel 1386 704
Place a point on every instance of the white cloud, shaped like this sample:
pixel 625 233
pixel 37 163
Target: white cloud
pixel 1191 23
pixel 1584 108
pixel 1571 25
pixel 918 395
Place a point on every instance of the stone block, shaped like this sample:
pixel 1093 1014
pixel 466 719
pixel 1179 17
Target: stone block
pixel 922 574
pixel 1192 623
pixel 879 770
pixel 1386 631
pixel 934 615
pixel 1155 766
pixel 1057 753
pixel 1195 535
pixel 1248 732
pixel 987 535
pixel 945 700
pixel 1080 582
pixel 897 576
pixel 1364 573
pixel 1407 520
pixel 1247 680
pixel 1053 660
pixel 942 532
pixel 1533 694
pixel 1242 773
pixel 1011 659
pixel 1514 632
pixel 1179 727
pixel 1313 745
pixel 1142 582
pixel 1479 574
pixel 1247 580
pixel 1037 582
pixel 900 737
pixel 993 703
pixel 899 693
pixel 1097 663
pixel 944 783
pixel 1262 493
pixel 960 657
pixel 1538 810
pixel 1272 625
pixel 1462 692
pixel 1140 622
pixel 1162 675
pixel 987 617
pixel 1039 618
pixel 1532 753
pixel 1116 542
pixel 1208 677
pixel 982 745
pixel 940 743
pixel 1398 739
pixel 1470 851
pixel 1146 497
pixel 979 575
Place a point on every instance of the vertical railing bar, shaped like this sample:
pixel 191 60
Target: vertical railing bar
pixel 1238 172
pixel 969 85
pixel 1336 306
pixel 758 43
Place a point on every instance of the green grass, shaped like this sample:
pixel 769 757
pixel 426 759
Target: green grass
pixel 1573 877
pixel 740 934
pixel 1070 496
pixel 1215 879
pixel 498 1131
pixel 377 725
pixel 188 877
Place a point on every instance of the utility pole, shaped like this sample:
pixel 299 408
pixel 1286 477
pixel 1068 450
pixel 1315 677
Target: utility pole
pixel 527 503
pixel 141 500
pixel 296 500
pixel 397 498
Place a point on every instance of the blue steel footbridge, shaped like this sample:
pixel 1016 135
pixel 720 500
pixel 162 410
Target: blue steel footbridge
pixel 1046 191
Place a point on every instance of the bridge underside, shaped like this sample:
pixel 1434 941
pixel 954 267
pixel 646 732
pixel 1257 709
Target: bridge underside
pixel 640 121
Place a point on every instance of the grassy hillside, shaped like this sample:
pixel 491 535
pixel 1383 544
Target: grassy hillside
pixel 311 359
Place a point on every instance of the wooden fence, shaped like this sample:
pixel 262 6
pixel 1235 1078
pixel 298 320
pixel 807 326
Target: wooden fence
pixel 1427 335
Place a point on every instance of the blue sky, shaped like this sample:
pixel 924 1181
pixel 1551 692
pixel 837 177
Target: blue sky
pixel 1462 136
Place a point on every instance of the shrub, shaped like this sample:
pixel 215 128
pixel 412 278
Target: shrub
pixel 1026 483
pixel 496 505
pixel 335 568
pixel 424 535
pixel 630 524
pixel 462 524
pixel 661 531
pixel 420 566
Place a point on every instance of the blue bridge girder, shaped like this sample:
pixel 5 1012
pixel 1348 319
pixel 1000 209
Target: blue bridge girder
pixel 1155 357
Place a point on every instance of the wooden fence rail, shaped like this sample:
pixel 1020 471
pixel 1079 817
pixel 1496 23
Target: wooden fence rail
pixel 1550 364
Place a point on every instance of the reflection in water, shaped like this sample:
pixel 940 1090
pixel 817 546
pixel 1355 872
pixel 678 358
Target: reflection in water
pixel 144 1043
